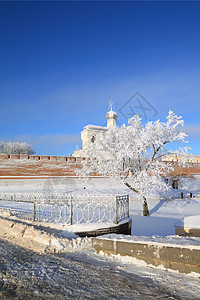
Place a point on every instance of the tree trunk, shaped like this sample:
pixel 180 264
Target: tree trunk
pixel 145 209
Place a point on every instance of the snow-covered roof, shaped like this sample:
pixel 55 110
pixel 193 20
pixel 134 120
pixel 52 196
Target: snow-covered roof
pixel 189 222
pixel 95 127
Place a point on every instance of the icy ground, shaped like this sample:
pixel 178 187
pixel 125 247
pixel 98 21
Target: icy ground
pixel 86 275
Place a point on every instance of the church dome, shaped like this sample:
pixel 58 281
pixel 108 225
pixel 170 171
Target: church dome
pixel 111 115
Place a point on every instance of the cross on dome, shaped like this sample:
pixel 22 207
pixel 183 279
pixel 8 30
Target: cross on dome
pixel 111 104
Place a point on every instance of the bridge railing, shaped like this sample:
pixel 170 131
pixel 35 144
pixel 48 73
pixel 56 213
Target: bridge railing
pixel 66 208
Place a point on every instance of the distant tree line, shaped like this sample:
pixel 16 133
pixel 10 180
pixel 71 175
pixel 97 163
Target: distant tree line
pixel 16 148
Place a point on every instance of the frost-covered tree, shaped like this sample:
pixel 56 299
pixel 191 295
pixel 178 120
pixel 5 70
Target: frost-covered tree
pixel 15 148
pixel 132 154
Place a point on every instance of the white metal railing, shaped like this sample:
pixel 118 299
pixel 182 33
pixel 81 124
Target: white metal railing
pixel 122 207
pixel 32 197
pixel 68 209
pixel 19 213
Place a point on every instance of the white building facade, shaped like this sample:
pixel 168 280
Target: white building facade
pixel 89 132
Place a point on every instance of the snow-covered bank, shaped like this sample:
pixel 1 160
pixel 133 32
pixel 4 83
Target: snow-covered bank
pixel 40 238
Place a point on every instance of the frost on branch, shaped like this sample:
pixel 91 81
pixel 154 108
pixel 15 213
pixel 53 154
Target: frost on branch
pixel 132 153
pixel 15 148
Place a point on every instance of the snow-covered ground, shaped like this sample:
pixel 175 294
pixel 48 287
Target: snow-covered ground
pixel 92 185
pixel 165 210
pixel 85 275
pixel 163 216
pixel 78 272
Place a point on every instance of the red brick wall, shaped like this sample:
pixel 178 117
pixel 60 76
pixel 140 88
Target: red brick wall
pixel 34 165
pixel 188 170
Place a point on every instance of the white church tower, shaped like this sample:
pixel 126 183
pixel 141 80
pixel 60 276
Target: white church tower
pixel 89 132
pixel 111 117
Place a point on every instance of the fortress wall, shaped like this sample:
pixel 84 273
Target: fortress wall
pixel 35 165
pixel 192 170
pixel 14 156
pixel 4 156
pixel 71 159
pixel 188 170
pixel 44 157
pixel 53 158
pixel 44 165
pixel 79 159
pixel 34 157
pixel 24 156
pixel 62 158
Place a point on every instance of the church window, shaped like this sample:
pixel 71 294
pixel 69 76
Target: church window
pixel 93 139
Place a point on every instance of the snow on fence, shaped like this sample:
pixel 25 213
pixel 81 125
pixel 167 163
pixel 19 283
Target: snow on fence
pixel 65 208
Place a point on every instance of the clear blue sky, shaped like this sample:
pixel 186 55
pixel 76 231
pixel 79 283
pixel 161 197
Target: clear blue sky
pixel 61 62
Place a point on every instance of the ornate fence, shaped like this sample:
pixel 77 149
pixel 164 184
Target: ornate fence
pixel 67 209
pixel 19 213
pixel 122 207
